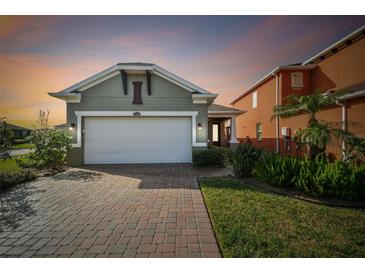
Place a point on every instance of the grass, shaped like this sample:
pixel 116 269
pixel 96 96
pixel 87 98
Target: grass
pixel 22 146
pixel 12 174
pixel 9 166
pixel 250 223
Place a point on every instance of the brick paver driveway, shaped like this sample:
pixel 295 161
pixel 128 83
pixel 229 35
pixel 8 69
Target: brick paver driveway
pixel 109 211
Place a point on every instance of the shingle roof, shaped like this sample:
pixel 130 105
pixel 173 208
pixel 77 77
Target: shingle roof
pixel 220 108
pixel 61 125
pixel 15 127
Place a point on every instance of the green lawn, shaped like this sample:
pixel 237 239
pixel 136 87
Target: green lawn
pixel 11 174
pixel 9 166
pixel 20 146
pixel 249 223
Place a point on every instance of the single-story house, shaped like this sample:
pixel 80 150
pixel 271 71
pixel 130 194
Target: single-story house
pixel 61 126
pixel 142 113
pixel 18 131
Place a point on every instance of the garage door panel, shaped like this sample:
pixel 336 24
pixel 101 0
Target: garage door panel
pixel 137 140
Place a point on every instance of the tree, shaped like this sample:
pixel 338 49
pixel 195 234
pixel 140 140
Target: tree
pixel 6 137
pixel 317 135
pixel 43 118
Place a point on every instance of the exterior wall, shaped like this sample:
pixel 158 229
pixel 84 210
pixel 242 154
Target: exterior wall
pixel 356 116
pixel 339 71
pixel 109 96
pixel 246 123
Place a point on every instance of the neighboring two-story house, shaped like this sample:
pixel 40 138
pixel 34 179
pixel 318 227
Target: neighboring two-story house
pixel 340 67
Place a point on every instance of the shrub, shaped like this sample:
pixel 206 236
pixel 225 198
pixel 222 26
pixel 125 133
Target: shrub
pixel 338 179
pixel 242 159
pixel 51 148
pixel 318 177
pixel 27 161
pixel 209 157
pixel 277 170
pixel 8 179
pixel 6 138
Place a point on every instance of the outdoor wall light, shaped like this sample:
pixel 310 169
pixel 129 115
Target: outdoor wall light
pixel 200 126
pixel 72 126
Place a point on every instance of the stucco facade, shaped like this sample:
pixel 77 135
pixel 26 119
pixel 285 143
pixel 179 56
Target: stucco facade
pixel 340 70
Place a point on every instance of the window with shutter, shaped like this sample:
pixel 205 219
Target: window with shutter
pixel 137 93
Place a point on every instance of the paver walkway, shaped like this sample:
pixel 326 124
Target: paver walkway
pixel 109 211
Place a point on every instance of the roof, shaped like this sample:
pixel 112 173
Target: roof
pixel 61 125
pixel 339 45
pixel 272 74
pixel 310 63
pixel 15 127
pixel 73 92
pixel 214 108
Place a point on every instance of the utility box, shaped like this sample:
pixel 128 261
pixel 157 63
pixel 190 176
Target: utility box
pixel 285 131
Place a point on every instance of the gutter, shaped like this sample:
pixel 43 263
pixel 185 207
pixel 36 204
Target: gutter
pixel 336 44
pixel 274 73
pixel 342 103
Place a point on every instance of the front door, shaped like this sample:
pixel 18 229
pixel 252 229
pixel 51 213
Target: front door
pixel 216 129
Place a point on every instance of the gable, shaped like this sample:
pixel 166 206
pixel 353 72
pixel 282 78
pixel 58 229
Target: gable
pixel 113 88
pixel 73 94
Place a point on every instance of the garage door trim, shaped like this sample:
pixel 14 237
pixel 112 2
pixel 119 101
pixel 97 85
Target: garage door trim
pixel 192 114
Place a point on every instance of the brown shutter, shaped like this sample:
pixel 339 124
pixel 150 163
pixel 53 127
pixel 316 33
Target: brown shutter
pixel 137 93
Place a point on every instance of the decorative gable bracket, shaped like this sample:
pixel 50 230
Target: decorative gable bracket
pixel 148 76
pixel 123 73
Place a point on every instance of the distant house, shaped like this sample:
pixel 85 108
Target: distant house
pixel 60 126
pixel 18 131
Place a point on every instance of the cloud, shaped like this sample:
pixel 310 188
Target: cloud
pixel 21 32
pixel 273 42
pixel 26 79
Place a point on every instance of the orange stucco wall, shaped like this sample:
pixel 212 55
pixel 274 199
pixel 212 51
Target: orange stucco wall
pixel 344 69
pixel 356 116
pixel 246 123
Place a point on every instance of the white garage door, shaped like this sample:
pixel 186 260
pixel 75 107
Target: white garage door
pixel 109 140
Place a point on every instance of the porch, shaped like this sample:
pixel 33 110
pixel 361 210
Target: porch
pixel 222 125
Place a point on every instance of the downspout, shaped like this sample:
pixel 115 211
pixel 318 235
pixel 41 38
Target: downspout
pixel 343 125
pixel 276 104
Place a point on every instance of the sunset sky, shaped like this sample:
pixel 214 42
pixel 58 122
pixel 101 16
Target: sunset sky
pixel 223 54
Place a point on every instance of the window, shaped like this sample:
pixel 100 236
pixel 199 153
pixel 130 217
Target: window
pixel 297 80
pixel 259 132
pixel 254 99
pixel 137 96
pixel 215 133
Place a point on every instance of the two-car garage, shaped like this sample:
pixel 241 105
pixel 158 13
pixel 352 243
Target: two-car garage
pixel 111 140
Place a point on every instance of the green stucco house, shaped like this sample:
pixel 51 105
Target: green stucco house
pixel 142 113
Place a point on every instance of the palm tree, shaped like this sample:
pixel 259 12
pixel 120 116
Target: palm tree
pixel 318 134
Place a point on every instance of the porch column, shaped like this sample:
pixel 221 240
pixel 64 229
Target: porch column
pixel 233 139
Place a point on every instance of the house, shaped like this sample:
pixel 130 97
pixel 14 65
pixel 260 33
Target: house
pixel 61 126
pixel 18 131
pixel 339 67
pixel 141 113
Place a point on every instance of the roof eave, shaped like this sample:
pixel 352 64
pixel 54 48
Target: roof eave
pixel 336 44
pixel 269 75
pixel 114 70
pixel 68 97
